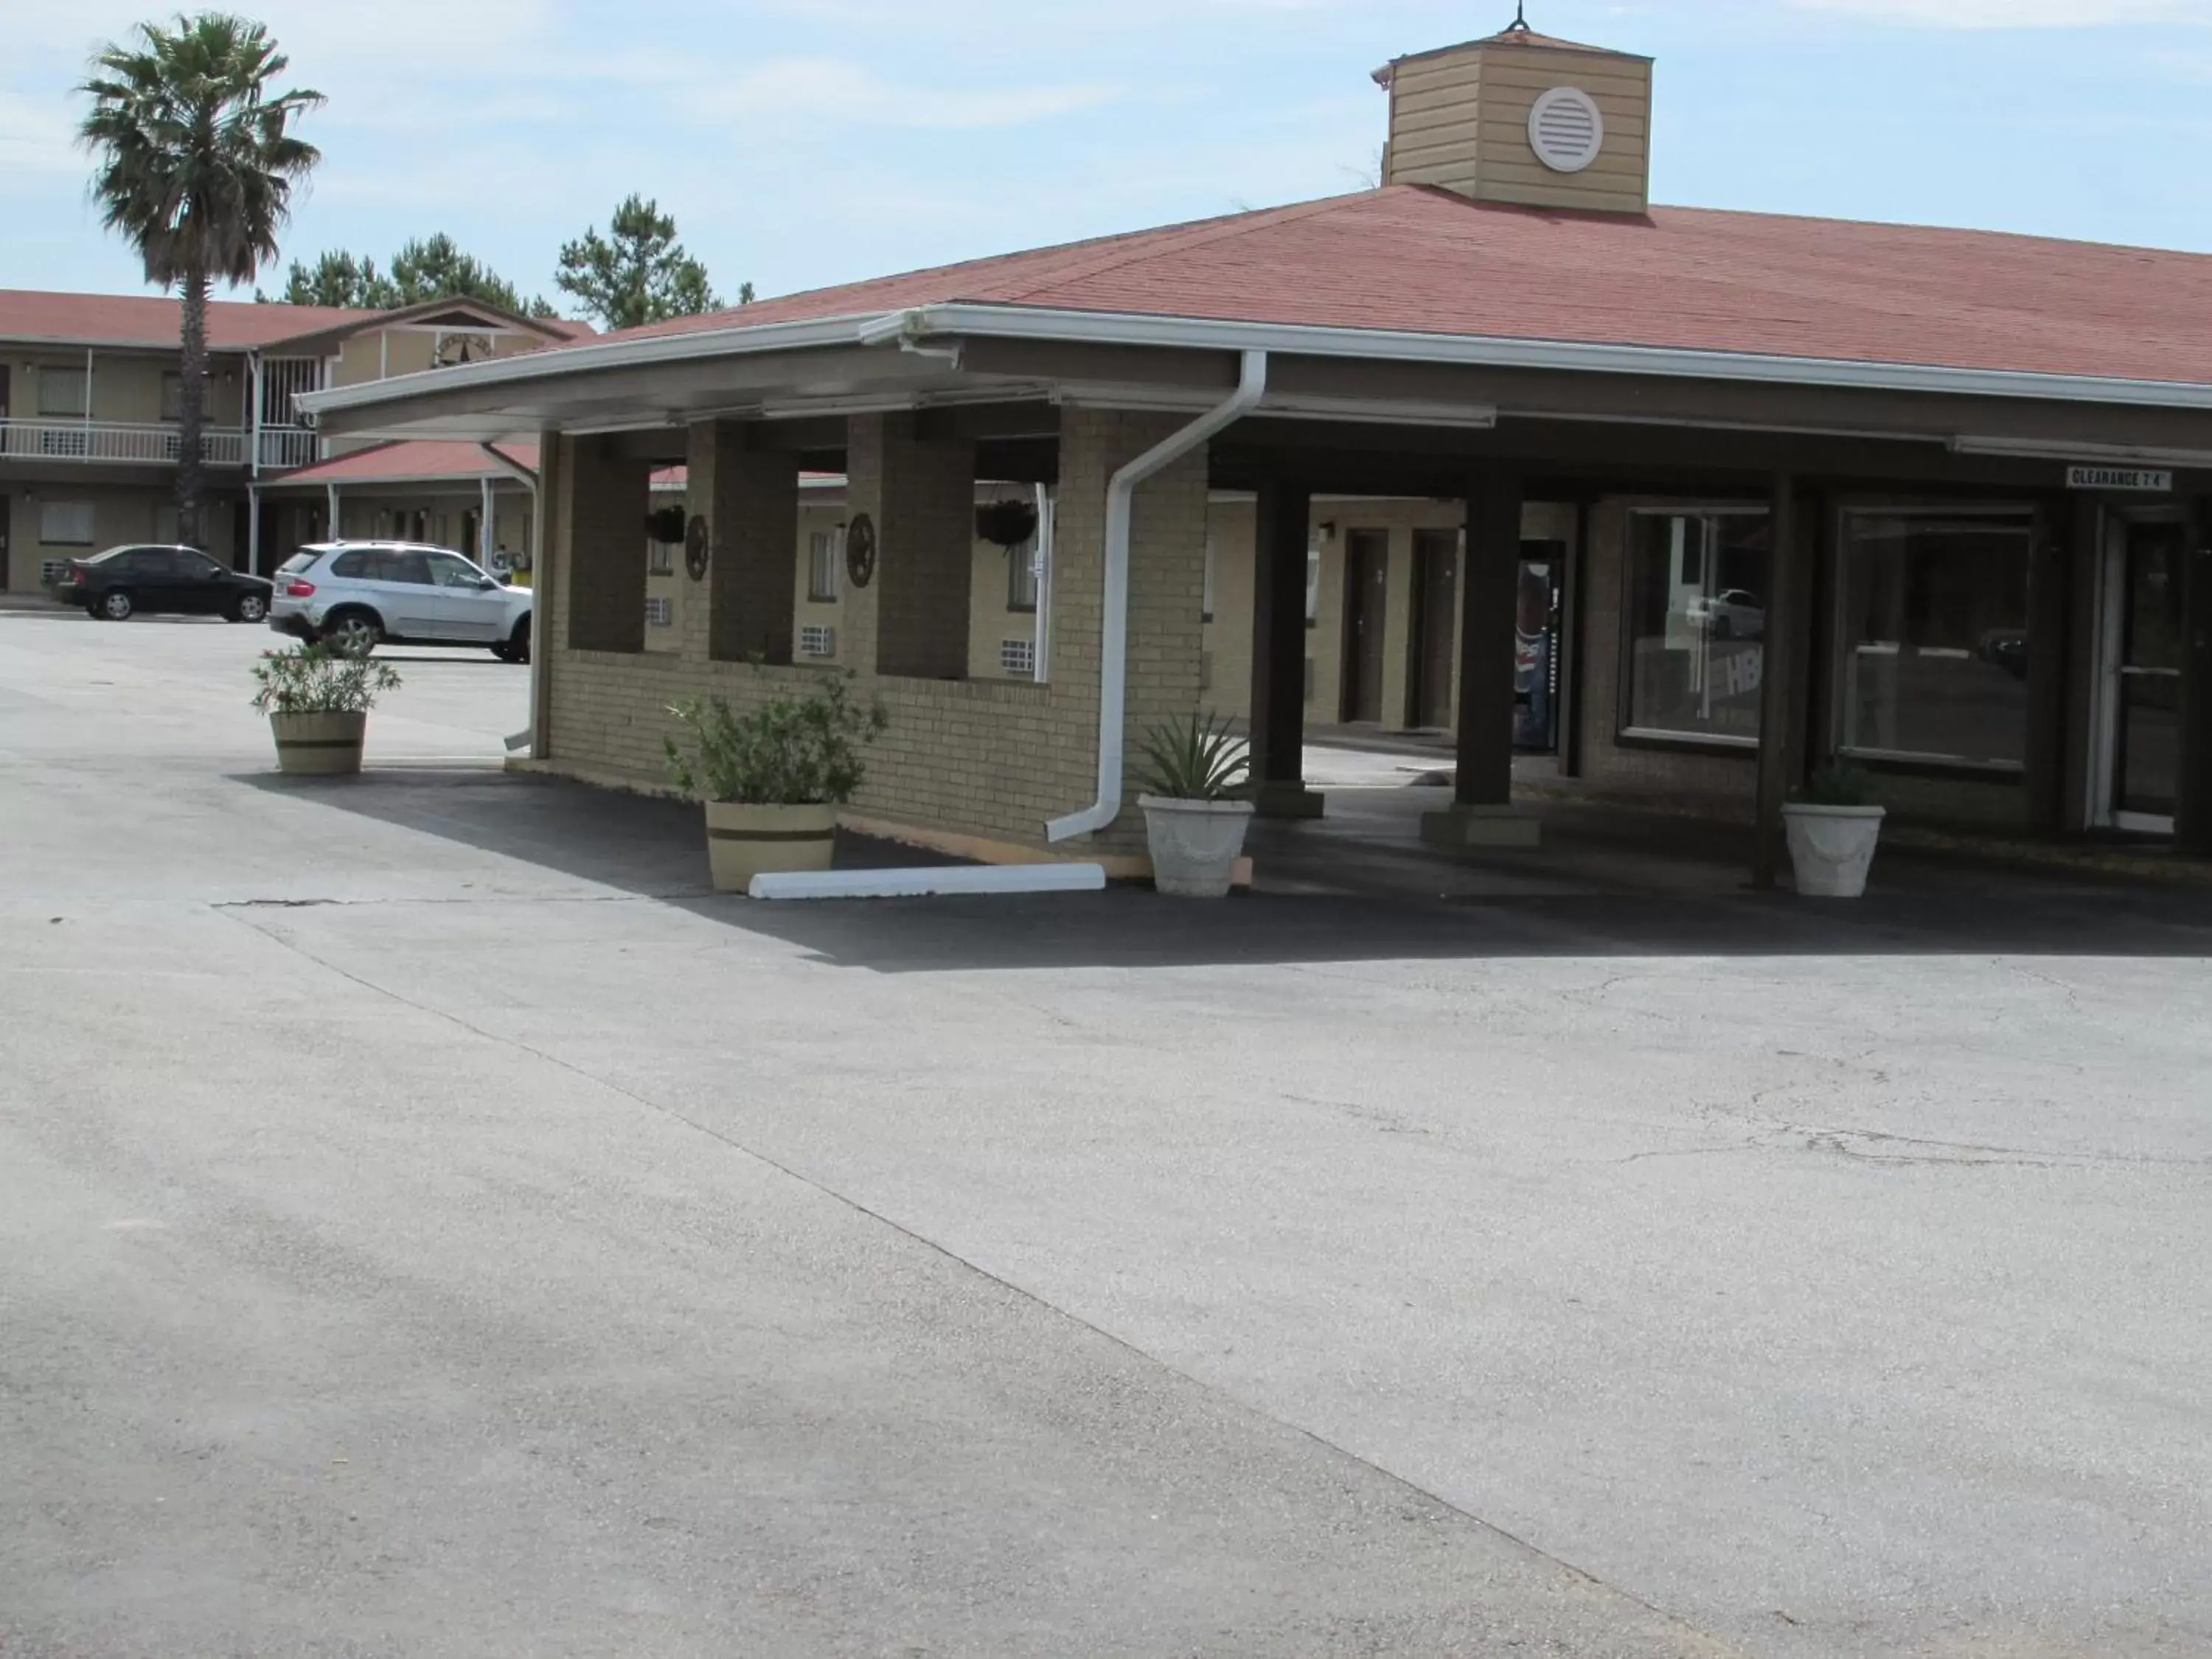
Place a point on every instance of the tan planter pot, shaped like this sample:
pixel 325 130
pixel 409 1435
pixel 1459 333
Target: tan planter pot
pixel 319 745
pixel 743 842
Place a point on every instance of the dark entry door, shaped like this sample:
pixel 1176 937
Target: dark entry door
pixel 1536 648
pixel 1366 583
pixel 1436 612
pixel 2146 764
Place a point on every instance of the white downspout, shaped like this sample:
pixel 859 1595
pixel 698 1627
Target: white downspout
pixel 1040 635
pixel 528 741
pixel 1113 648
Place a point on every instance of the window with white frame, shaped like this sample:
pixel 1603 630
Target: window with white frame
pixel 826 553
pixel 66 523
pixel 659 558
pixel 1022 576
pixel 62 393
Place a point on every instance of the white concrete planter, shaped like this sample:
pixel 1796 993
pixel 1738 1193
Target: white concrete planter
pixel 1831 848
pixel 745 840
pixel 319 745
pixel 1194 843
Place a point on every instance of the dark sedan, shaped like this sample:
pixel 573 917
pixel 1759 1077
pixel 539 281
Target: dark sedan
pixel 126 582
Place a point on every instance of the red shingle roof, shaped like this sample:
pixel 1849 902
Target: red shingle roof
pixel 134 319
pixel 1421 259
pixel 393 463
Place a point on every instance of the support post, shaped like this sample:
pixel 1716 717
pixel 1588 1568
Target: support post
pixel 2192 822
pixel 253 529
pixel 749 499
pixel 485 539
pixel 331 530
pixel 1283 533
pixel 1778 653
pixel 1482 812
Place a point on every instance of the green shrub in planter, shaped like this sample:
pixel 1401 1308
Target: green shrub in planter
pixel 774 777
pixel 1197 759
pixel 1197 774
pixel 318 696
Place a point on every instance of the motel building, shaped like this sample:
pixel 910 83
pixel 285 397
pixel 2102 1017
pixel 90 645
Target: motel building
pixel 1693 501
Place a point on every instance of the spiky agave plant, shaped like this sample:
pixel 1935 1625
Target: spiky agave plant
pixel 1200 758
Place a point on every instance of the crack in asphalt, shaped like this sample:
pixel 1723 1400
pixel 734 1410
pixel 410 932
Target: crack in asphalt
pixel 1578 1574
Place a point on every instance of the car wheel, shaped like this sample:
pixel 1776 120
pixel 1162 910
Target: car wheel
pixel 115 606
pixel 357 630
pixel 518 644
pixel 250 608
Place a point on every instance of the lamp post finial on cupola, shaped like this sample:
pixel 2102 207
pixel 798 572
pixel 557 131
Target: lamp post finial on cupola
pixel 1520 23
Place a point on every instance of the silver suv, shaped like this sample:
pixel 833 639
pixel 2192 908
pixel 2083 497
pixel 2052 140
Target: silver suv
pixel 401 592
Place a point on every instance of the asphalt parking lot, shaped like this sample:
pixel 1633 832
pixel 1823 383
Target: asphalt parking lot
pixel 430 1223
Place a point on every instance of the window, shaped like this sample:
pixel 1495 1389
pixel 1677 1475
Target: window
pixel 1022 576
pixel 62 393
pixel 659 558
pixel 172 396
pixel 825 552
pixel 1935 632
pixel 404 566
pixel 1696 623
pixel 350 566
pixel 154 564
pixel 65 523
pixel 450 570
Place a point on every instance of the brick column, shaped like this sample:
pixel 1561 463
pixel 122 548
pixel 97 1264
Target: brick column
pixel 1166 587
pixel 750 498
pixel 1481 813
pixel 1282 534
pixel 921 495
pixel 601 502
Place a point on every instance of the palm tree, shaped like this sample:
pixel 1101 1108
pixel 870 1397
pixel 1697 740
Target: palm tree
pixel 195 165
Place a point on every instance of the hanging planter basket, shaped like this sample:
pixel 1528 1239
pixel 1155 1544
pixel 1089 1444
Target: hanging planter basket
pixel 665 523
pixel 1006 524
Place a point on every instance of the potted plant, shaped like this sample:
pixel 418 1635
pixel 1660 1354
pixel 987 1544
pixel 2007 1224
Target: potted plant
pixel 773 778
pixel 1832 827
pixel 318 695
pixel 1195 811
pixel 1008 524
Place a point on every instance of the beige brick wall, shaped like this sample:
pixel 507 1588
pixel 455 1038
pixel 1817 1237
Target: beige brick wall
pixel 985 756
pixel 602 502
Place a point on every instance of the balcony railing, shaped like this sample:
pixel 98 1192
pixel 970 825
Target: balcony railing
pixel 283 447
pixel 96 442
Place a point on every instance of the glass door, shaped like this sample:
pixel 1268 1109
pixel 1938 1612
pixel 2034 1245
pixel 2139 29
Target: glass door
pixel 2143 677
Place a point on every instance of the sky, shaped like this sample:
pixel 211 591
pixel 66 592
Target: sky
pixel 802 143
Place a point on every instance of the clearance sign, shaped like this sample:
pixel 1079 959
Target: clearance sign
pixel 2138 478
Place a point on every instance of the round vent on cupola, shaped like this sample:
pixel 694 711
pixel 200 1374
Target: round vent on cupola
pixel 1566 130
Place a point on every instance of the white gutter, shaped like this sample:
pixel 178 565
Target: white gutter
pixel 1114 646
pixel 1494 351
pixel 558 362
pixel 915 324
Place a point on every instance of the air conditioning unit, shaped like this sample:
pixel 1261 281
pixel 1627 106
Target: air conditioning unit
pixel 818 640
pixel 660 612
pixel 50 572
pixel 1017 658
